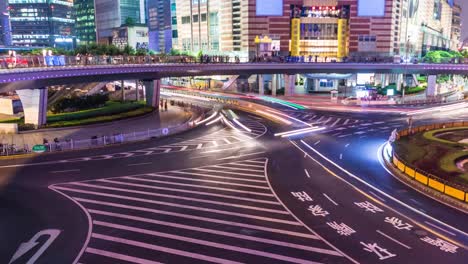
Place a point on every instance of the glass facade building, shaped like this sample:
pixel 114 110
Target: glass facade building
pixel 42 23
pixel 5 27
pixel 159 25
pixel 111 14
pixel 85 27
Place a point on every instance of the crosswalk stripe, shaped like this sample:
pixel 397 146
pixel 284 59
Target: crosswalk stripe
pixel 207 181
pixel 183 148
pixel 346 122
pixel 216 232
pixel 118 256
pixel 199 146
pixel 336 122
pixel 215 143
pixel 159 248
pixel 320 119
pixel 167 150
pixel 253 161
pixel 188 191
pixel 196 208
pixel 227 141
pixel 218 177
pixel 200 186
pixel 235 173
pixel 204 242
pixel 199 218
pixel 328 120
pixel 182 198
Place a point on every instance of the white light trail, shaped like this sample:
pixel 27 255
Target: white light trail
pixel 207 119
pixel 310 130
pixel 439 108
pixel 242 125
pixel 214 121
pixel 290 117
pixel 274 117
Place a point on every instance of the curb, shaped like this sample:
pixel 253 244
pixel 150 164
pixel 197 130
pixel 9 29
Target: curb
pixel 423 189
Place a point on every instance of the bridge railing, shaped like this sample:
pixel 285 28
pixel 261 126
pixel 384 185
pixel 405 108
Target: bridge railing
pixel 31 61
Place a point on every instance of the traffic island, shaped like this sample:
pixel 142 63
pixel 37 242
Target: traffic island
pixel 435 157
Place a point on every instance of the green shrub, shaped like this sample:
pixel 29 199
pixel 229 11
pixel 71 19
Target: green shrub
pixel 77 103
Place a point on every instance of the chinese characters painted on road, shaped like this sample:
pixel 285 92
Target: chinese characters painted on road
pixel 317 210
pixel 382 253
pixel 398 223
pixel 302 196
pixel 341 229
pixel 369 207
pixel 441 244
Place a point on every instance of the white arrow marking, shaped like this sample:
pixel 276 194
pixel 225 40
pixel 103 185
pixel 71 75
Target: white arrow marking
pixel 27 246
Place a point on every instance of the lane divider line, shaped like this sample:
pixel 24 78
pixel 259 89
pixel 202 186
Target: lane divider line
pixel 393 239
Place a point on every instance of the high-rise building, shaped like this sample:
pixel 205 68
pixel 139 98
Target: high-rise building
pixel 456 27
pixel 5 27
pixel 159 25
pixel 111 14
pixel 85 27
pixel 42 23
pixel 231 27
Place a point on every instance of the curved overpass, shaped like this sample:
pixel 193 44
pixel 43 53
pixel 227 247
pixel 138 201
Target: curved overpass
pixel 30 78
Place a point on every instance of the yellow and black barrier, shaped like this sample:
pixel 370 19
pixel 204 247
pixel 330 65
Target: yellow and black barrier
pixel 425 178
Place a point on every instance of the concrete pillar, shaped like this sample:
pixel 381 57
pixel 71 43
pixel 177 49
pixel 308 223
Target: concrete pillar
pixel 34 103
pixel 122 87
pixel 261 84
pixel 398 82
pixel 152 91
pixel 431 85
pixel 137 91
pixel 289 84
pixel 274 84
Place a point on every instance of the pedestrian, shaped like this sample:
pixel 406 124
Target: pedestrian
pixel 165 105
pixel 326 58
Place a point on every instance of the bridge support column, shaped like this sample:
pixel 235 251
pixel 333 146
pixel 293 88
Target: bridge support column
pixel 261 84
pixel 274 84
pixel 289 84
pixel 122 87
pixel 34 103
pixel 137 90
pixel 152 92
pixel 431 85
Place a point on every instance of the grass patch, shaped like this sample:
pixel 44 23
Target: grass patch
pixel 112 111
pixel 430 135
pixel 433 155
pixel 101 119
pixel 111 108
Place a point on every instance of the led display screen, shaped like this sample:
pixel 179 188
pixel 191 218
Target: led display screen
pixel 368 8
pixel 269 8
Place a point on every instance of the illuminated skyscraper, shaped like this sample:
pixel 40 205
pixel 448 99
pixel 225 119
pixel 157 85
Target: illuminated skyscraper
pixel 42 23
pixel 85 27
pixel 5 27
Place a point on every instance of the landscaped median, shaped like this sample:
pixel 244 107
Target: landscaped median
pixel 111 111
pixel 435 156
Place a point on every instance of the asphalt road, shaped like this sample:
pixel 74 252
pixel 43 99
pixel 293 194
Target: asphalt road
pixel 218 195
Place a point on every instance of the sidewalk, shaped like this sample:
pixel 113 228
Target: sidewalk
pixel 173 116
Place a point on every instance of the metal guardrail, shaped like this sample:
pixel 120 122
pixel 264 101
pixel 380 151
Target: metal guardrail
pixel 454 190
pixel 114 139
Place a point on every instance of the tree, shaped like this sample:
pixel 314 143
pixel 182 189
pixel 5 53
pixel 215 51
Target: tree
pixel 128 50
pixel 130 22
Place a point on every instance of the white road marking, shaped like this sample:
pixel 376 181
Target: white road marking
pixel 196 208
pixel 336 122
pixel 347 145
pixel 316 143
pixel 346 122
pixel 198 186
pixel 188 191
pixel 62 171
pixel 216 232
pixel 227 141
pixel 330 199
pixel 341 156
pixel 247 165
pixel 183 148
pixel 440 228
pixel 237 169
pixel 243 155
pixel 198 218
pixel 206 181
pixel 393 239
pixel 215 143
pixel 167 150
pixel 139 164
pixel 307 173
pixel 345 135
pixel 163 249
pixel 118 256
pixel 182 198
pixel 226 172
pixel 199 146
pixel 376 196
pixel 201 242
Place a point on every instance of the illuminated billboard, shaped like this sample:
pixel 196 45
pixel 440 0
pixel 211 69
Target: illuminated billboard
pixel 371 8
pixel 269 8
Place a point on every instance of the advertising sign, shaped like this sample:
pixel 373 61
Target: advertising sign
pixel 269 8
pixel 371 8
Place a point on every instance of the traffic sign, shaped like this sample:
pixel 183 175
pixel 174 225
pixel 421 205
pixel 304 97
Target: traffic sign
pixel 165 131
pixel 39 149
